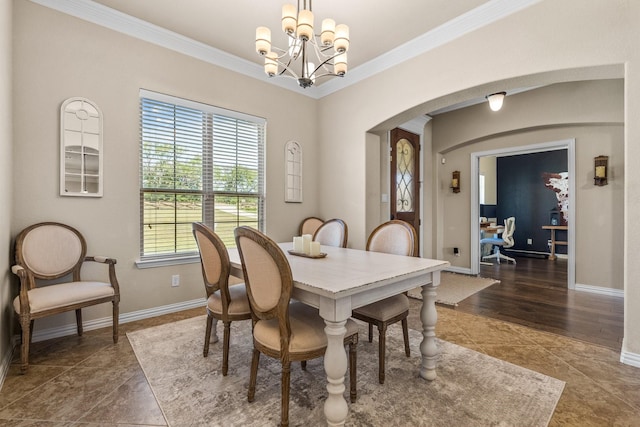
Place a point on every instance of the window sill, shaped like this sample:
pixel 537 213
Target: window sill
pixel 163 262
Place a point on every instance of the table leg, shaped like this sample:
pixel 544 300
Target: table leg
pixel 335 366
pixel 553 245
pixel 429 317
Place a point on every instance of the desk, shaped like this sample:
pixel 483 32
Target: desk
pixel 351 278
pixel 555 242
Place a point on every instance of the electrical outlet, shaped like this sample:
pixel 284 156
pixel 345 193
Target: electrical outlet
pixel 175 280
pixel 529 241
pixel 456 251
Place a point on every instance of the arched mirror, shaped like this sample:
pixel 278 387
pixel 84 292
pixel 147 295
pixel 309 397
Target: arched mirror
pixel 293 178
pixel 80 148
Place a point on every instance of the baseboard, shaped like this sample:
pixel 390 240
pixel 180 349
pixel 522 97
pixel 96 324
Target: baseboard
pixel 104 322
pixel 628 358
pixel 600 290
pixel 6 361
pixel 460 270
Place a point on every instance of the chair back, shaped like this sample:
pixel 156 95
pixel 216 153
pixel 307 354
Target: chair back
pixel 214 261
pixel 332 233
pixel 309 225
pixel 267 275
pixel 507 234
pixel 394 237
pixel 51 250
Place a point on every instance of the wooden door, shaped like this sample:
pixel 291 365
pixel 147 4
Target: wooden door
pixel 405 178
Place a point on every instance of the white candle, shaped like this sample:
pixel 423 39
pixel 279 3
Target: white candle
pixel 314 249
pixel 297 244
pixel 306 243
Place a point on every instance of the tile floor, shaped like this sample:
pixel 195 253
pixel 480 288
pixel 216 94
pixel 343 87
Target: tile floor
pixel 89 381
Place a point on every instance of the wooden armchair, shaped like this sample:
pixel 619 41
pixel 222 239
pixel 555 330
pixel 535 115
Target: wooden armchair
pixel 283 329
pixel 48 251
pixel 224 302
pixel 399 238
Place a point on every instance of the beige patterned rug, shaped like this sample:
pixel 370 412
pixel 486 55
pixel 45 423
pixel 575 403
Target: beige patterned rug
pixel 472 389
pixel 456 287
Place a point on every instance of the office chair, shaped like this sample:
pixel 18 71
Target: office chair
pixel 506 241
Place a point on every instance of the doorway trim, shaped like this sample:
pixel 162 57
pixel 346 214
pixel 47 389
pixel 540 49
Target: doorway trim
pixel 566 144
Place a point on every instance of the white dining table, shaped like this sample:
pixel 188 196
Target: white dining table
pixel 350 278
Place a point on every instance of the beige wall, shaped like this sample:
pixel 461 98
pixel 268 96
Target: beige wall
pixel 6 139
pixel 57 57
pixel 549 42
pixel 487 167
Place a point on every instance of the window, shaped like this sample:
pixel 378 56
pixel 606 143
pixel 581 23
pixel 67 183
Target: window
pixel 197 163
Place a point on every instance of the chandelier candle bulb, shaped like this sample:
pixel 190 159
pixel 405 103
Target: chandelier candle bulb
pixel 289 21
pixel 305 25
pixel 341 42
pixel 306 243
pixel 271 64
pixel 340 64
pixel 328 32
pixel 263 40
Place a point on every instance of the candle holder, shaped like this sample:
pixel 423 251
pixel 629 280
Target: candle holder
pixel 455 181
pixel 600 170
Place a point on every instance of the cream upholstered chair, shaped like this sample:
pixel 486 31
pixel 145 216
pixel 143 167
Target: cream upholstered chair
pixel 224 302
pixel 399 238
pixel 506 241
pixel 309 225
pixel 51 251
pixel 332 233
pixel 283 329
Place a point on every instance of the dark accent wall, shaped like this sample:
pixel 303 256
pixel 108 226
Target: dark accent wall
pixel 522 194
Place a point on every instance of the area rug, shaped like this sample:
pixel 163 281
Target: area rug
pixel 472 389
pixel 456 287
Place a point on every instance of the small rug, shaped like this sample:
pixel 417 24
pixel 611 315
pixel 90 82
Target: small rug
pixel 456 287
pixel 472 389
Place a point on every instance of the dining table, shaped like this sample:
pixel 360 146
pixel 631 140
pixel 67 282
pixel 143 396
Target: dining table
pixel 343 279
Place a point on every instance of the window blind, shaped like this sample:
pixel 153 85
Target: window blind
pixel 197 163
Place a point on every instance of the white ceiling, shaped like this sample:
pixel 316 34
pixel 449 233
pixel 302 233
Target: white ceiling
pixel 382 32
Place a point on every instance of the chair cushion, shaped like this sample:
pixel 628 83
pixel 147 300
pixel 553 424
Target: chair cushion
pixel 307 330
pixel 239 302
pixel 63 294
pixel 385 309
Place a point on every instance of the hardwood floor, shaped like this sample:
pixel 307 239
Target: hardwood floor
pixel 534 293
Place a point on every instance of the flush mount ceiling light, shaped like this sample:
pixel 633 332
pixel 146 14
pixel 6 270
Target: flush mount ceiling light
pixel 329 49
pixel 495 100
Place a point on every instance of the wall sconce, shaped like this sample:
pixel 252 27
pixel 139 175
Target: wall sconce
pixel 600 174
pixel 496 100
pixel 455 181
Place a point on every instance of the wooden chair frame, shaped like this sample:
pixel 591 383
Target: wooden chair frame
pixel 304 225
pixel 281 312
pixel 402 317
pixel 29 279
pixel 332 223
pixel 215 284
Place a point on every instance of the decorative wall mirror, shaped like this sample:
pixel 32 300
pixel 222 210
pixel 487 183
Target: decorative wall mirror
pixel 293 178
pixel 80 148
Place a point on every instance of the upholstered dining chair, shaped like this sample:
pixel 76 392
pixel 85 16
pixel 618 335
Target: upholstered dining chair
pixel 309 225
pixel 224 302
pixel 399 238
pixel 332 233
pixel 506 241
pixel 49 258
pixel 282 329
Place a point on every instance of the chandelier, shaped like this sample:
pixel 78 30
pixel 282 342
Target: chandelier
pixel 329 49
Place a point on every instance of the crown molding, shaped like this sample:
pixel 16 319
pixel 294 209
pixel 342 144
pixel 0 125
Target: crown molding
pixel 99 14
